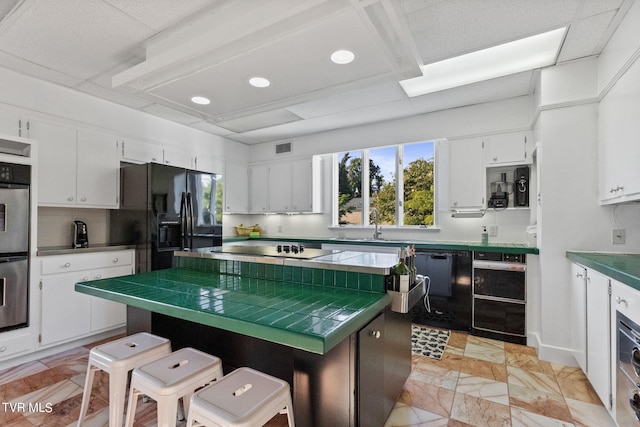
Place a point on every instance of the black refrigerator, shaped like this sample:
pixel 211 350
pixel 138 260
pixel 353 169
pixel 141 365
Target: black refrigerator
pixel 165 209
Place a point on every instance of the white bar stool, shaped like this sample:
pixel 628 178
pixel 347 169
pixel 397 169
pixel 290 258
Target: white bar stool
pixel 117 358
pixel 170 378
pixel 244 398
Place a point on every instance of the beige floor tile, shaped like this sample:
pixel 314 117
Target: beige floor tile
pixel 538 402
pixel 409 416
pixel 484 352
pixel 589 415
pixel 479 412
pixel 529 362
pixel 522 418
pixel 425 396
pixel 483 388
pixel 485 369
pixel 533 380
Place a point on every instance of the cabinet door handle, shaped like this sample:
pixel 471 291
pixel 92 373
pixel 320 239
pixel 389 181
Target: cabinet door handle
pixel 579 275
pixel 621 301
pixel 70 198
pixel 67 265
pixel 85 278
pixel 115 260
pixel 3 349
pixel 83 199
pixel 495 158
pixel 98 276
pixel 375 334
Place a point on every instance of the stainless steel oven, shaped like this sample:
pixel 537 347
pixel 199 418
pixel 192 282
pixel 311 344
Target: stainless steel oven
pixel 628 372
pixel 14 245
pixel 499 296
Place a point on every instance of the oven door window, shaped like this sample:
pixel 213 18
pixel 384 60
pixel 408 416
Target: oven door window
pixel 499 283
pixel 499 316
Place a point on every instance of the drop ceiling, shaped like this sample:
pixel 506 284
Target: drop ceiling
pixel 154 55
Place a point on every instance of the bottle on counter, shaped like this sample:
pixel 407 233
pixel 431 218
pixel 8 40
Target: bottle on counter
pixel 402 271
pixel 485 235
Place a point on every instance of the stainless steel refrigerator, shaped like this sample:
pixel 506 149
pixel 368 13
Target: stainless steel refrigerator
pixel 14 245
pixel 164 209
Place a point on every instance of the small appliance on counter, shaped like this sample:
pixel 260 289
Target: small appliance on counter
pixel 500 192
pixel 80 235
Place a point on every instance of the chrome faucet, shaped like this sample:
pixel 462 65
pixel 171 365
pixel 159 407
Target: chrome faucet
pixel 377 232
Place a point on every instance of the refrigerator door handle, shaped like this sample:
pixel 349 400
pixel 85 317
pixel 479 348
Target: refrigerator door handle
pixel 190 220
pixel 183 221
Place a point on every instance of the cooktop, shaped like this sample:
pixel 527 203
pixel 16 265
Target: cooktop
pixel 281 251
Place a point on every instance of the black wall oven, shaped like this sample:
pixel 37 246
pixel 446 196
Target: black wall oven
pixel 14 245
pixel 628 372
pixel 499 296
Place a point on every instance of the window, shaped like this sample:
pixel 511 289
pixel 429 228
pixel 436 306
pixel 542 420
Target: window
pixel 399 183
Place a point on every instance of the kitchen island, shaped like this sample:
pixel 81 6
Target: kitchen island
pixel 327 331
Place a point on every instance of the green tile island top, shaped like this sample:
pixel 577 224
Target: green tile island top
pixel 302 314
pixel 624 268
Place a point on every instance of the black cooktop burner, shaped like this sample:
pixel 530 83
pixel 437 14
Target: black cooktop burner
pixel 281 251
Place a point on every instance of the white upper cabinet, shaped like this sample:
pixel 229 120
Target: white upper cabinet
pixel 259 189
pixel 140 152
pixel 236 188
pixel 285 187
pixel 506 149
pixel 467 177
pixel 14 125
pixel 302 191
pixel 57 160
pixel 619 147
pixel 178 158
pixel 98 170
pixel 76 168
pixel 280 187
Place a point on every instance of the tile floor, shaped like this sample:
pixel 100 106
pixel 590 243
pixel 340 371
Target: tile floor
pixel 478 382
pixel 483 382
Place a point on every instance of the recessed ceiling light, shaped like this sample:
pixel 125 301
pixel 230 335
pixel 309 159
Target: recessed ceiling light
pixel 201 100
pixel 342 57
pixel 259 82
pixel 525 54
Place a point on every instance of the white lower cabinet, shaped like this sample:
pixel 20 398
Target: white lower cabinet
pixel 66 314
pixel 599 335
pixel 592 343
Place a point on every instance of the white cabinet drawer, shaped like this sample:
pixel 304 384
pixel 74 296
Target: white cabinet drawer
pixel 626 300
pixel 15 345
pixel 76 262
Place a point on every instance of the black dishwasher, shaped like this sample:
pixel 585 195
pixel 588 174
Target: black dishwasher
pixel 447 303
pixel 499 296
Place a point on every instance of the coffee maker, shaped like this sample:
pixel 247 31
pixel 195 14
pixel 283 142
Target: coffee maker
pixel 500 192
pixel 80 235
pixel 521 186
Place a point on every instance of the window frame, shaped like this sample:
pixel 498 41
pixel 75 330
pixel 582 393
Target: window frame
pixel 399 188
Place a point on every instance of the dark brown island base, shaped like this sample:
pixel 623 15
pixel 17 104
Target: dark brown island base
pixel 324 325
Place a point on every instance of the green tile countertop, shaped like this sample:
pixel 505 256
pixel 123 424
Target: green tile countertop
pixel 624 268
pixel 304 316
pixel 516 248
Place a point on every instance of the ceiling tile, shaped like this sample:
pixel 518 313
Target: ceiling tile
pixel 455 27
pixel 350 100
pixel 160 14
pixel 585 35
pixel 171 114
pixel 90 36
pixel 259 121
pixel 594 7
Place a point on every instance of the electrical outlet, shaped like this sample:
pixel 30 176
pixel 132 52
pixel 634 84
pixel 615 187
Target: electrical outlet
pixel 493 231
pixel 617 235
